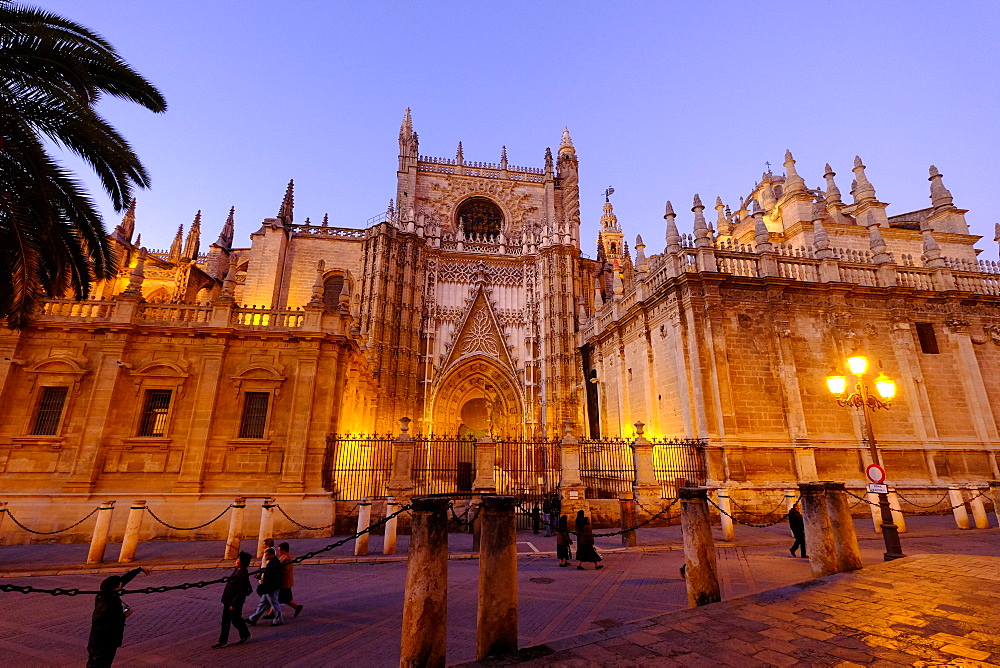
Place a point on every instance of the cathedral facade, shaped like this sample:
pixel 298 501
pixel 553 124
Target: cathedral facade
pixel 469 308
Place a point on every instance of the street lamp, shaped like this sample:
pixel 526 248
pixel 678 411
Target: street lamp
pixel 866 401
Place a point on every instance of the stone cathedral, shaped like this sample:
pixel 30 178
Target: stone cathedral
pixel 469 308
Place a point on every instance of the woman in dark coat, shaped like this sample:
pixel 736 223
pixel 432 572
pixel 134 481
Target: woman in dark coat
pixel 580 519
pixel 563 542
pixel 585 549
pixel 107 627
pixel 233 597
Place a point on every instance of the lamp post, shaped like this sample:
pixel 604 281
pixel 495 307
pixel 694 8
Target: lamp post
pixel 866 401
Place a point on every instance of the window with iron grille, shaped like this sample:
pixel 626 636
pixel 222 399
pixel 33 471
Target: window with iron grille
pixel 928 341
pixel 154 414
pixel 254 414
pixel 50 409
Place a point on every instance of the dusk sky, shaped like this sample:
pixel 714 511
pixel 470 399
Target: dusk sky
pixel 663 100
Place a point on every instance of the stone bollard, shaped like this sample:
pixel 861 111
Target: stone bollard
pixel 790 499
pixel 701 573
pixel 266 525
pixel 131 539
pixel 425 597
pixel 897 512
pixel 725 521
pixel 994 488
pixel 845 540
pixel 978 509
pixel 101 530
pixel 477 521
pixel 873 506
pixel 235 535
pixel 364 521
pixel 389 542
pixel 496 620
pixel 626 506
pixel 3 513
pixel 819 532
pixel 958 507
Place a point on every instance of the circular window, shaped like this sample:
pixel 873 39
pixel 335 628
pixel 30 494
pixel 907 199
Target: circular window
pixel 480 216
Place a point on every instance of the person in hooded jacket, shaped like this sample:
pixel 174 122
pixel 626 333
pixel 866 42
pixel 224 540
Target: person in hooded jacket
pixel 233 597
pixel 107 627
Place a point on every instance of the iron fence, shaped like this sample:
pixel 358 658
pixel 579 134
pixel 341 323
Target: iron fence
pixel 679 462
pixel 357 466
pixel 607 467
pixel 443 464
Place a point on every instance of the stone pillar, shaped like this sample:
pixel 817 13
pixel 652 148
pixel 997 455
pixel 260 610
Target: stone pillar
pixel 364 521
pixel 701 572
pixel 389 541
pixel 235 535
pixel 401 481
pixel 875 510
pixel 266 525
pixel 790 498
pixel 958 503
pixel 897 512
pixel 646 487
pixel 570 450
pixel 477 522
pixel 845 540
pixel 496 621
pixel 725 521
pixel 425 597
pixel 994 488
pixel 626 504
pixel 978 509
pixel 486 458
pixel 819 532
pixel 101 529
pixel 131 539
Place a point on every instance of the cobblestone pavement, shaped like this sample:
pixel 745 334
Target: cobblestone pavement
pixel 926 610
pixel 353 610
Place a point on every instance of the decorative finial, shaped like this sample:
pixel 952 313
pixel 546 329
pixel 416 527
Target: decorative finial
pixel 460 154
pixel 566 139
pixel 548 160
pixel 503 157
pixel 932 251
pixel 673 236
pixel 608 192
pixel 406 128
pixel 177 245
pixel 225 239
pixel 702 237
pixel 326 220
pixel 832 191
pixel 761 236
pixel 285 212
pixel 722 218
pixel 864 190
pixel 940 196
pixel 877 245
pixel 793 182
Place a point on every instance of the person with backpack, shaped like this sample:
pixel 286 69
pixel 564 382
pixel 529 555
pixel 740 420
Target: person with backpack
pixel 270 584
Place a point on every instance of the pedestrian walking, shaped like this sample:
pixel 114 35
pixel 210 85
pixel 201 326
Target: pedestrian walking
pixel 554 513
pixel 580 520
pixel 287 579
pixel 107 626
pixel 563 542
pixel 798 528
pixel 585 551
pixel 547 512
pixel 233 597
pixel 270 583
pixel 268 543
pixel 536 517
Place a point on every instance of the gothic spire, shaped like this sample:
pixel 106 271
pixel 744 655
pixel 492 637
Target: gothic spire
pixel 864 190
pixel 126 228
pixel 177 245
pixel 832 191
pixel 793 182
pixel 406 129
pixel 566 144
pixel 702 237
pixel 503 157
pixel 641 264
pixel 225 239
pixel 940 196
pixel 673 236
pixel 326 220
pixel 460 155
pixel 193 241
pixel 548 161
pixel 285 213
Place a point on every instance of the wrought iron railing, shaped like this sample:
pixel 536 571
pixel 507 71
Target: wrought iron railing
pixel 679 462
pixel 607 467
pixel 357 466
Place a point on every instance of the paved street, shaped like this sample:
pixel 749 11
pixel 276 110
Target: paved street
pixel 353 610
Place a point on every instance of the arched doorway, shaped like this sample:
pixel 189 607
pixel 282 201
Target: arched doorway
pixel 476 398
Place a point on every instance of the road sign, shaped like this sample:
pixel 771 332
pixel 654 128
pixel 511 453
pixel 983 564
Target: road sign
pixel 875 473
pixel 878 488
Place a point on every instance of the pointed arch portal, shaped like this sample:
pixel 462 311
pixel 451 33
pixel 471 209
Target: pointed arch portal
pixel 478 397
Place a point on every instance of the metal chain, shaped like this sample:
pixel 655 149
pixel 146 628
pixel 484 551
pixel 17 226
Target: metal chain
pixel 982 492
pixel 748 524
pixel 917 505
pixel 621 531
pixel 773 512
pixel 49 533
pixel 60 591
pixel 200 526
pixel 299 524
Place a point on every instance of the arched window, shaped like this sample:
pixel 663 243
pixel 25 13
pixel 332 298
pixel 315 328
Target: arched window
pixel 333 285
pixel 480 216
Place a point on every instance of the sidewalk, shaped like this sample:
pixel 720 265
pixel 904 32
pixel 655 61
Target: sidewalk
pixel 923 610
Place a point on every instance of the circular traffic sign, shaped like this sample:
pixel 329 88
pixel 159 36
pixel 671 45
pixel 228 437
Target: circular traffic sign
pixel 875 473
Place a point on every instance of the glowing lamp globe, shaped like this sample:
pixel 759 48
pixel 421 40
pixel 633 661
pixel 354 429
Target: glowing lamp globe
pixel 858 364
pixel 885 386
pixel 837 383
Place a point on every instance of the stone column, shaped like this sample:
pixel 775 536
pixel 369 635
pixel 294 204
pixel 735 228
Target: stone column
pixel 401 481
pixel 486 458
pixel 897 512
pixel 626 504
pixel 198 424
pixel 980 410
pixel 477 522
pixel 389 540
pixel 646 486
pixel 958 503
pixel 364 521
pixel 701 572
pixel 845 540
pixel 101 529
pixel 293 468
pixel 978 509
pixel 790 497
pixel 425 597
pixel 496 620
pixel 266 525
pixel 725 521
pixel 131 539
pixel 235 535
pixel 819 532
pixel 570 451
pixel 994 488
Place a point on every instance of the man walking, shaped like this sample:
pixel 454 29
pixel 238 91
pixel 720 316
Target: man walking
pixel 798 528
pixel 107 627
pixel 268 588
pixel 547 513
pixel 233 597
pixel 287 579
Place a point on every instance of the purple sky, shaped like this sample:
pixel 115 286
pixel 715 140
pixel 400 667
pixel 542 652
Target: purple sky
pixel 662 99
